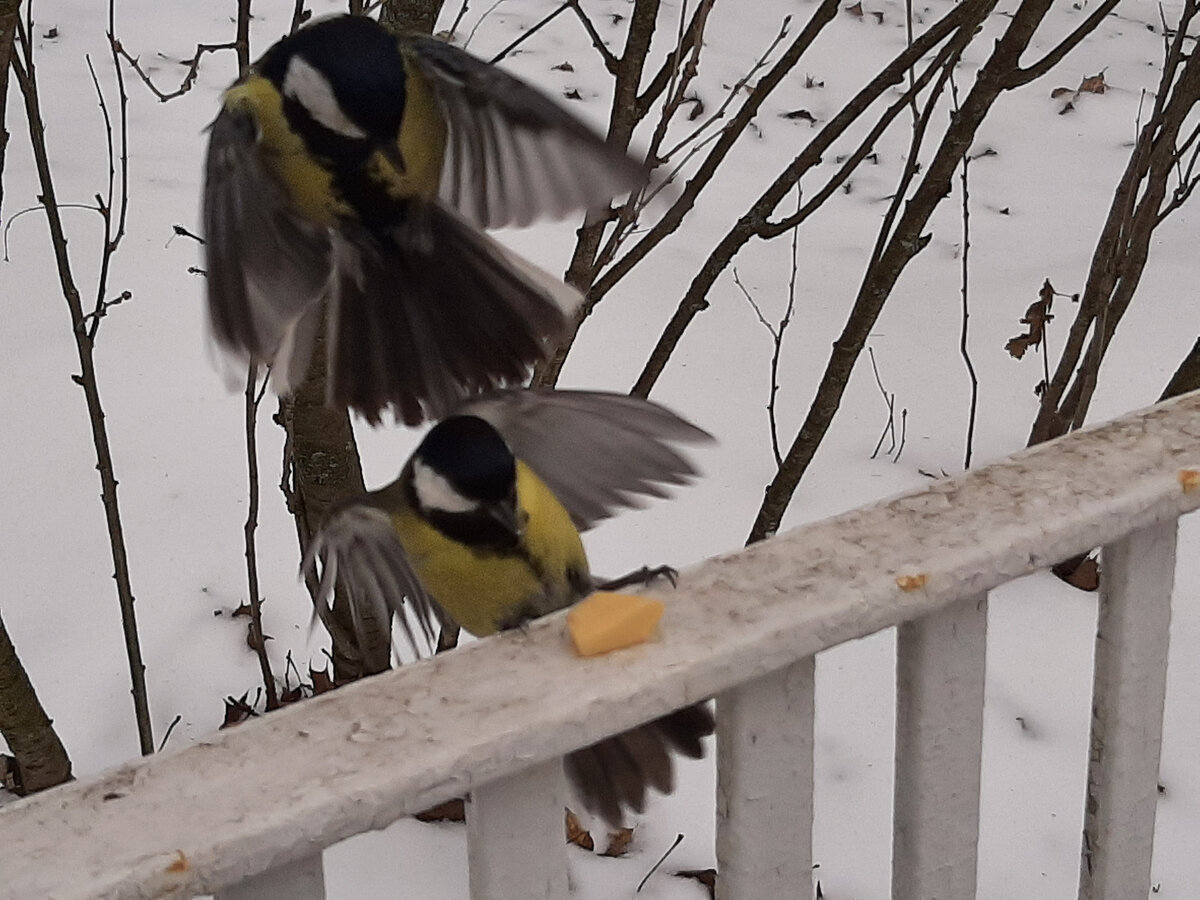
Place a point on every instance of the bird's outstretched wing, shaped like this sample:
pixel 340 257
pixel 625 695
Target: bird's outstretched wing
pixel 596 451
pixel 266 266
pixel 513 155
pixel 358 548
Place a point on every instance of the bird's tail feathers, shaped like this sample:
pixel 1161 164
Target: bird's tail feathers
pixel 615 774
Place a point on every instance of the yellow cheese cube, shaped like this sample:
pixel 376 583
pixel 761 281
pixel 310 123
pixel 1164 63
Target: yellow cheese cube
pixel 606 621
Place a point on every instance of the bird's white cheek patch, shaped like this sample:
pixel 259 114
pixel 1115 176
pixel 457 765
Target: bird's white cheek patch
pixel 312 90
pixel 435 492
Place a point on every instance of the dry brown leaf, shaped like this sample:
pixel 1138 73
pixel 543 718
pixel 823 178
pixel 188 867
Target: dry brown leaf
pixel 618 842
pixel 577 834
pixel 911 582
pixel 1036 317
pixel 321 681
pixel 799 114
pixel 237 710
pixel 707 877
pixel 1017 346
pixel 1086 576
pixel 1094 84
pixel 292 695
pixel 1082 572
pixel 1060 92
pixel 180 863
pixel 856 10
pixel 450 811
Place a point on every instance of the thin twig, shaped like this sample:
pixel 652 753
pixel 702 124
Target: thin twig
pixel 474 28
pixel 890 401
pixel 189 77
pixel 610 61
pixel 300 15
pixel 41 207
pixel 526 35
pixel 654 868
pixel 26 74
pixel 462 11
pixel 776 332
pixel 966 309
pixel 175 721
pixel 253 397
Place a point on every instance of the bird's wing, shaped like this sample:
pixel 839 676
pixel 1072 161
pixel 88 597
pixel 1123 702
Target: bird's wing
pixel 434 312
pixel 266 266
pixel 357 548
pixel 513 155
pixel 596 451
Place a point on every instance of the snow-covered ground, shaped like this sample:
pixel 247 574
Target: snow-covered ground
pixel 177 441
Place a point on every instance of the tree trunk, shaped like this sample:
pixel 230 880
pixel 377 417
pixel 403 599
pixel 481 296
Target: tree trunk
pixel 405 16
pixel 42 761
pixel 8 30
pixel 321 454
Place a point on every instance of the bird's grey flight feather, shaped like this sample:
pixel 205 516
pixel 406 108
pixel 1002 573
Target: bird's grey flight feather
pixel 513 154
pixel 358 548
pixel 266 266
pixel 596 451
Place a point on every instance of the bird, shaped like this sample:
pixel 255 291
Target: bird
pixel 349 175
pixel 482 528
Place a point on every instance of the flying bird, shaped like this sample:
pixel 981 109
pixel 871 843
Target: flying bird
pixel 348 177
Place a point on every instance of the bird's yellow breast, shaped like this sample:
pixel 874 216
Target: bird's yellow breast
pixel 422 143
pixel 282 151
pixel 483 590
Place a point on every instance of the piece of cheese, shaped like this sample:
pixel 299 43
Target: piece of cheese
pixel 606 621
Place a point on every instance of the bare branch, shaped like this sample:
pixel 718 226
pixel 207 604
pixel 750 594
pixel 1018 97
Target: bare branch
pixel 963 349
pixel 905 241
pixel 189 77
pixel 1124 243
pixel 527 34
pixel 1021 76
pixel 25 72
pixel 610 61
pixel 959 22
pixel 889 400
pixel 258 641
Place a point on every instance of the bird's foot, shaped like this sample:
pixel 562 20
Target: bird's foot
pixel 642 576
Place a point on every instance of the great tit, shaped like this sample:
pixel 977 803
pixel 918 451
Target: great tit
pixel 482 528
pixel 356 166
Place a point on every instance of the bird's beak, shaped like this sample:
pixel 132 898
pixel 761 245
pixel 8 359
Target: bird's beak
pixel 505 512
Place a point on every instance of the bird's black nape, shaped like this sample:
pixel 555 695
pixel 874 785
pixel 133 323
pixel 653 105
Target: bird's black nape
pixel 471 455
pixel 360 59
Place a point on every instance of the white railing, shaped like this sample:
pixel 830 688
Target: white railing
pixel 743 628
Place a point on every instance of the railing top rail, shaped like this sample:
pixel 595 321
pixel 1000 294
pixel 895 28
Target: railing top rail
pixel 361 757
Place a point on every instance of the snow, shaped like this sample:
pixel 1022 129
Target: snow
pixel 177 432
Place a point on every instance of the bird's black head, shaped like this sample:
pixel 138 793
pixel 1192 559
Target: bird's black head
pixel 472 457
pixel 360 62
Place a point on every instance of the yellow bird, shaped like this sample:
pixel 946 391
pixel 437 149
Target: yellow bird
pixel 482 528
pixel 356 166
